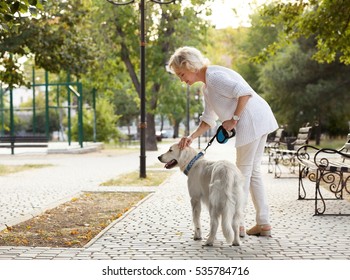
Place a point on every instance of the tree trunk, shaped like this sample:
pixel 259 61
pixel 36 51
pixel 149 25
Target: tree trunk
pixel 176 130
pixel 151 141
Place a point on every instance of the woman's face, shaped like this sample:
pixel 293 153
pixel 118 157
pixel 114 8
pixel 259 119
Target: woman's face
pixel 187 76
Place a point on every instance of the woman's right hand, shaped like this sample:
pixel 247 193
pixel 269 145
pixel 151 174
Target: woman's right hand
pixel 185 142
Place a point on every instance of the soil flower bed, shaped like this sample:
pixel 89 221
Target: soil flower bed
pixel 72 224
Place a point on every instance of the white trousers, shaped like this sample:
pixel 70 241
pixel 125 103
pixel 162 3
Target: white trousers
pixel 249 159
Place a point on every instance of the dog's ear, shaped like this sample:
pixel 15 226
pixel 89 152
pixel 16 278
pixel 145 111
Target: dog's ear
pixel 184 155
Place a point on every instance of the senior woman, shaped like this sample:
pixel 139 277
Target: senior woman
pixel 229 98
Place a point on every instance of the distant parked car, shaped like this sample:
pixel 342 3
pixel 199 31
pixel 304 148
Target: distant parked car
pixel 163 134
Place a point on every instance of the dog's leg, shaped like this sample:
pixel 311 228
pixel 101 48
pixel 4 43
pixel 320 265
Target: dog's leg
pixel 235 227
pixel 214 223
pixel 196 212
pixel 237 221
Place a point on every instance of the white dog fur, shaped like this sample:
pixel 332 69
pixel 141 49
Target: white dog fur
pixel 219 185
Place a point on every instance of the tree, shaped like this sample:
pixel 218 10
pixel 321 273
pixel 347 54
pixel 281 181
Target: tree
pixel 168 27
pixel 327 20
pixel 302 90
pixel 57 38
pixel 40 120
pixel 106 123
pixel 98 43
pixel 11 11
pixel 256 38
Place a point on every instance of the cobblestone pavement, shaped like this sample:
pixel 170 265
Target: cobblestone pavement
pixel 160 226
pixel 26 194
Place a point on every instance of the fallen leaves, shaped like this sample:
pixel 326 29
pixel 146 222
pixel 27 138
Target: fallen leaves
pixel 72 224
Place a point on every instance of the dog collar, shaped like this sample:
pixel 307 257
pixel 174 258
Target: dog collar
pixel 189 166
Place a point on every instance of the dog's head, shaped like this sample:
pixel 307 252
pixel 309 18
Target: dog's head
pixel 176 157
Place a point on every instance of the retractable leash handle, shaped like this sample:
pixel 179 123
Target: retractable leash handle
pixel 222 136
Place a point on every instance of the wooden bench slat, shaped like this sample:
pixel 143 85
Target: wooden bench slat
pixel 305 129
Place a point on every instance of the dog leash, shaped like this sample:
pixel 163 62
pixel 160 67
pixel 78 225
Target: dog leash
pixel 221 136
pixel 209 143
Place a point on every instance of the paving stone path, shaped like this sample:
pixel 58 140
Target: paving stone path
pixel 160 226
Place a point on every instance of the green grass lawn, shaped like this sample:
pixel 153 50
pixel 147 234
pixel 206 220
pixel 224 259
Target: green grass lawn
pixel 335 143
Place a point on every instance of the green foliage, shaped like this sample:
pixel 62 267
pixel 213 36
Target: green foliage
pixel 224 46
pixel 62 41
pixel 57 37
pixel 301 90
pixel 11 72
pixel 327 20
pixel 127 106
pixel 12 10
pixel 236 48
pixel 99 43
pixel 298 88
pixel 106 123
pixel 116 30
pixel 258 36
pixel 40 116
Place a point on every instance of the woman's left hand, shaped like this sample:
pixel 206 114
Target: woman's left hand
pixel 229 124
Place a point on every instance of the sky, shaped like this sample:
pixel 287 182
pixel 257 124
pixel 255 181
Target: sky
pixel 223 15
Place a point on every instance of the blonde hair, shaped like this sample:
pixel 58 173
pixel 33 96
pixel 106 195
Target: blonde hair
pixel 187 58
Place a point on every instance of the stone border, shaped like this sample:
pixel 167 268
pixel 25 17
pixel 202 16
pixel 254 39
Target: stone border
pixel 126 214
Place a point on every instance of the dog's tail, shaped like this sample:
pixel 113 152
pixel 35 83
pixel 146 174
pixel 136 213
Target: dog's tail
pixel 232 214
pixel 221 205
pixel 226 221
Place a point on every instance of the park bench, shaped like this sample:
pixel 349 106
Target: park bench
pixel 273 142
pixel 276 139
pixel 326 166
pixel 27 141
pixel 285 152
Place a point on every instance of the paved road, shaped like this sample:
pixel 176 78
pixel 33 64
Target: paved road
pixel 160 227
pixel 28 193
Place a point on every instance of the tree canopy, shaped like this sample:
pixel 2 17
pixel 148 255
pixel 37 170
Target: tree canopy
pixel 117 32
pixel 11 11
pixel 305 51
pixel 328 21
pixel 301 90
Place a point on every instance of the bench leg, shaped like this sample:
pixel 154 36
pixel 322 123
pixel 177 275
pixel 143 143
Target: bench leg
pixel 335 181
pixel 292 165
pixel 270 164
pixel 319 210
pixel 346 184
pixel 303 171
pixel 278 170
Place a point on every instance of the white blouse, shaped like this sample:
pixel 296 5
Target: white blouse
pixel 221 92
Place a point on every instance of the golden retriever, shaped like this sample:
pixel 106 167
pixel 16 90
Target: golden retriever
pixel 218 184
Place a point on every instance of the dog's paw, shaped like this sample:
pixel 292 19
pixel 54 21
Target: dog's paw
pixel 209 242
pixel 196 238
pixel 236 244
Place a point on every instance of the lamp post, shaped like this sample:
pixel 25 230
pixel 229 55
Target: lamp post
pixel 143 123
